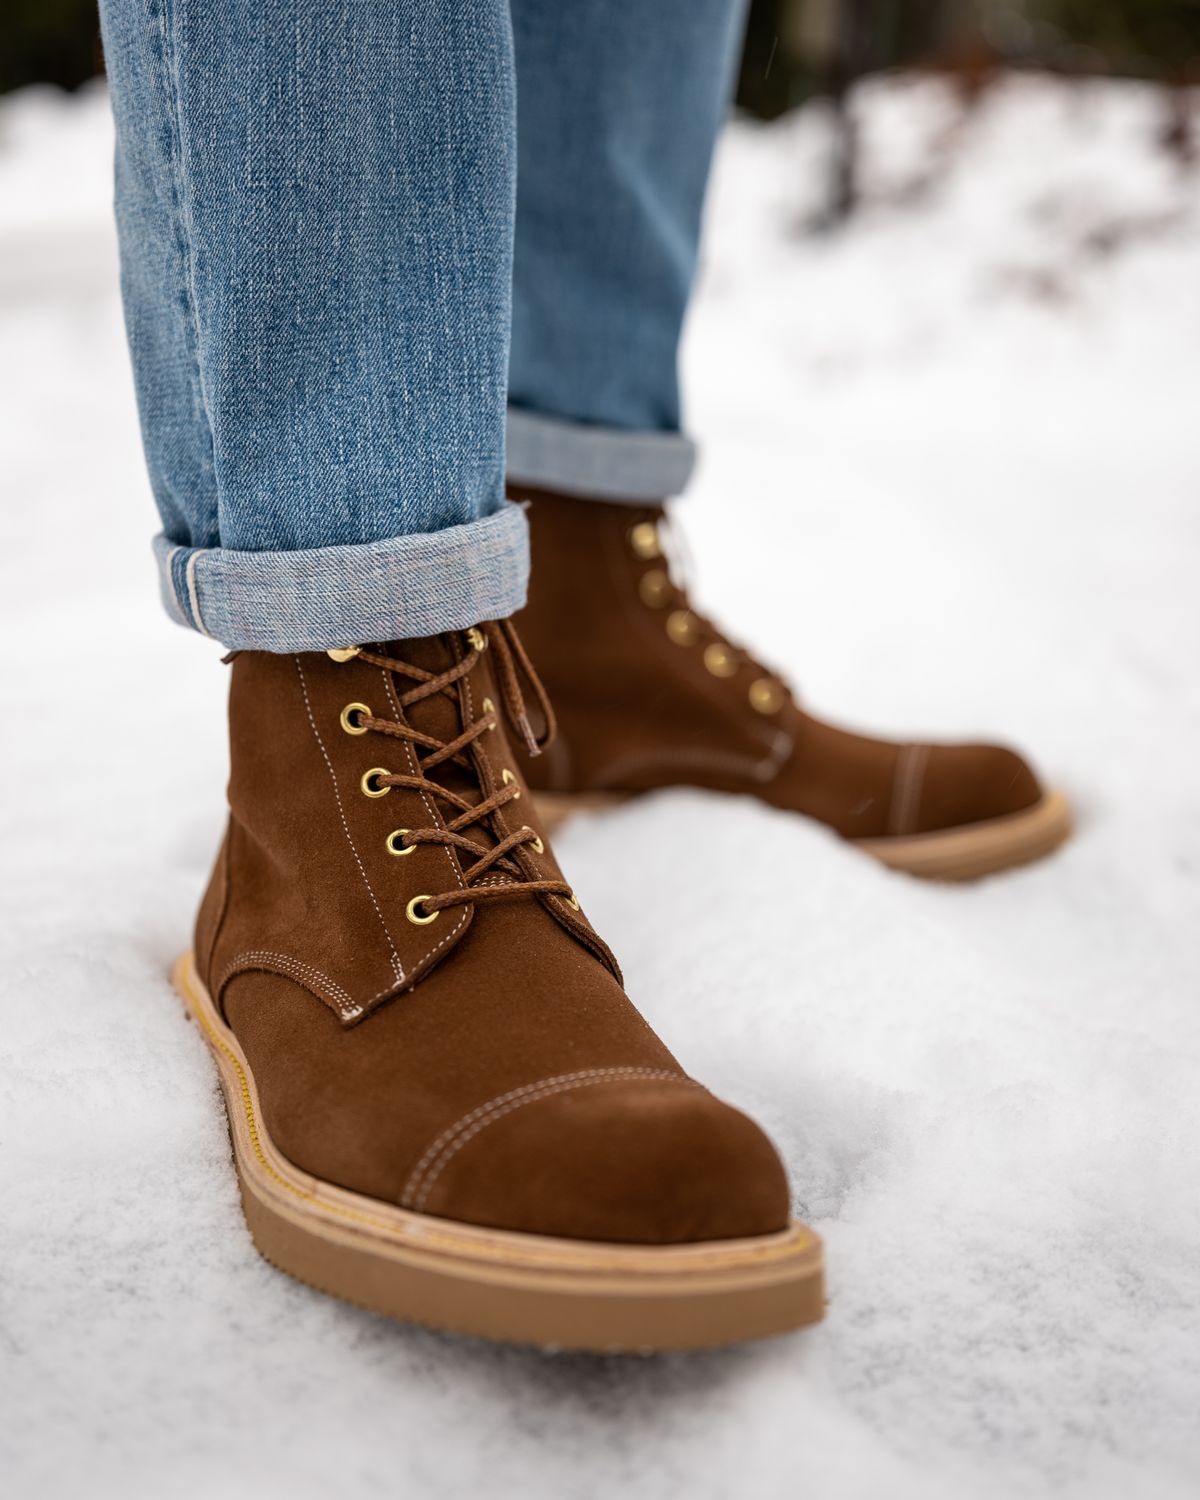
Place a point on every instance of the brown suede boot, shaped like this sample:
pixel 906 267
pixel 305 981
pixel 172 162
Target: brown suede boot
pixel 443 1106
pixel 648 694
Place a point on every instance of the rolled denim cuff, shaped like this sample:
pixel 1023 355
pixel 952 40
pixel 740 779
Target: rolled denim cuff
pixel 342 596
pixel 607 462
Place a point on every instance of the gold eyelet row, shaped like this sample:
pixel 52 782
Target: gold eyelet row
pixel 349 720
pixel 766 696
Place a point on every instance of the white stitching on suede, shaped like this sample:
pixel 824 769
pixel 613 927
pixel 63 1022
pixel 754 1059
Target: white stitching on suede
pixel 397 966
pixel 638 1075
pixel 347 1005
pixel 464 1120
pixel 309 970
pixel 535 1088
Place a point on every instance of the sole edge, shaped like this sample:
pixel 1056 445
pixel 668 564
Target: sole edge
pixel 496 1284
pixel 977 849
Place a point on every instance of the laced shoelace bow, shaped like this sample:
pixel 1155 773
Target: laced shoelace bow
pixel 431 752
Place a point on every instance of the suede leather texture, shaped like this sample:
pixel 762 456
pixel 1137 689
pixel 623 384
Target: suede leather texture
pixel 637 710
pixel 486 1067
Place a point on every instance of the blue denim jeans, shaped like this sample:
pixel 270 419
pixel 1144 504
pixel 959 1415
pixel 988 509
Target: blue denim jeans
pixel 317 203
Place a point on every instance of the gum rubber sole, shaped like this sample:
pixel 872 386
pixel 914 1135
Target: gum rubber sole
pixel 521 1288
pixel 963 853
pixel 976 849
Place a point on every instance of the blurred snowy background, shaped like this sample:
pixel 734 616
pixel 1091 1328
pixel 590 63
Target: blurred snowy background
pixel 960 421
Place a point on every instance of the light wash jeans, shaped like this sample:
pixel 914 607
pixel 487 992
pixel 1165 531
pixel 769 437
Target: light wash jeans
pixel 317 203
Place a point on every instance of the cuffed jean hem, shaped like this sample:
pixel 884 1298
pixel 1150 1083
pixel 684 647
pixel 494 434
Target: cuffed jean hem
pixel 342 596
pixel 607 462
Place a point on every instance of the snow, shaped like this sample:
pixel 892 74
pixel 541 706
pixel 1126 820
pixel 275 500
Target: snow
pixel 950 480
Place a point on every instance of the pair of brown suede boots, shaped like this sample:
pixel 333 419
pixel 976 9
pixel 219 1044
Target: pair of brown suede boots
pixel 443 1105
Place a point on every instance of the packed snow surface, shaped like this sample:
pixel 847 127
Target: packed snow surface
pixel 950 485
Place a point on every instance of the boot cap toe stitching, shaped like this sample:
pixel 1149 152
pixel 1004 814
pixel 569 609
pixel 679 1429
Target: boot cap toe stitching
pixel 447 1145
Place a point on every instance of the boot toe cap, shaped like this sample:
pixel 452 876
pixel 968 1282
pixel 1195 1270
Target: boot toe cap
pixel 618 1159
pixel 972 783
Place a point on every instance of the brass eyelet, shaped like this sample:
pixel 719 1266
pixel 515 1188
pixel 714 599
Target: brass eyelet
pixel 720 660
pixel 477 638
pixel 343 653
pixel 571 901
pixel 643 538
pixel 681 627
pixel 535 843
pixel 394 846
pixel 507 777
pixel 410 911
pixel 488 707
pixel 370 789
pixel 348 723
pixel 766 697
pixel 654 587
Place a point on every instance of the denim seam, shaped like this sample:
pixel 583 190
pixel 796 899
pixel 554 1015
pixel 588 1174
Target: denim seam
pixel 169 579
pixel 182 219
pixel 193 596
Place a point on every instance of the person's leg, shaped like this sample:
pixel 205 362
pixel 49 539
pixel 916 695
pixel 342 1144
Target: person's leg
pixel 315 207
pixel 442 1103
pixel 618 104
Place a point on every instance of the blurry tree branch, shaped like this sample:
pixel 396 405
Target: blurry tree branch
pixel 800 49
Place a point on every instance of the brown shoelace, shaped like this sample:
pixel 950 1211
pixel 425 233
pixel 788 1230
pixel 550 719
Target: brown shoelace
pixel 431 752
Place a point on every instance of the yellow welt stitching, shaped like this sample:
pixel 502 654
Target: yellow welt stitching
pixel 428 1240
pixel 252 1124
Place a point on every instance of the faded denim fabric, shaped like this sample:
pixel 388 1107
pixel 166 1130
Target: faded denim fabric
pixel 316 204
pixel 587 459
pixel 618 107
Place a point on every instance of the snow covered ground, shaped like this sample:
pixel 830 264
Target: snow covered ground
pixel 951 485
